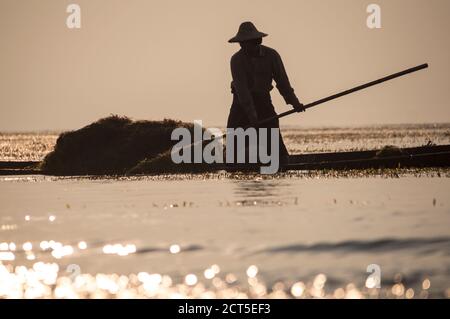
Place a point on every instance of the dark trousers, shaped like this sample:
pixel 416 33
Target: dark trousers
pixel 264 108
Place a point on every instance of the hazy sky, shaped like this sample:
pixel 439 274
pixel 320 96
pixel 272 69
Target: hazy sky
pixel 170 59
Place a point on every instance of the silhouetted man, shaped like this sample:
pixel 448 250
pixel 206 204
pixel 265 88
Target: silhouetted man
pixel 253 69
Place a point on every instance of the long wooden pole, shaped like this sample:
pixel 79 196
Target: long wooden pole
pixel 355 89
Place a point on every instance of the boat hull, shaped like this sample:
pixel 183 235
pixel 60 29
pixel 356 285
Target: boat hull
pixel 417 157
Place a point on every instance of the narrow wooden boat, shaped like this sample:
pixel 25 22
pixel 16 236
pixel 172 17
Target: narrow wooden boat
pixel 388 157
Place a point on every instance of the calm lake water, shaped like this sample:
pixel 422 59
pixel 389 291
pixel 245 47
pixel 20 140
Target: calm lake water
pixel 296 234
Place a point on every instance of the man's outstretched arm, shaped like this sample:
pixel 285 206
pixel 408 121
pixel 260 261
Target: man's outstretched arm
pixel 283 84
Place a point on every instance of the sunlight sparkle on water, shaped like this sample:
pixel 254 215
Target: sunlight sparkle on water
pixel 297 289
pixel 209 273
pixel 62 251
pixel 82 245
pixel 119 249
pixel 174 249
pixel 190 279
pixel 426 284
pixel 44 245
pixel 6 256
pixel 252 271
pixel 27 246
pixel 44 280
pixel 409 293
